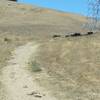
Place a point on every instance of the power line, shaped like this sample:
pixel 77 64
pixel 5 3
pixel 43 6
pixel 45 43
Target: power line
pixel 93 14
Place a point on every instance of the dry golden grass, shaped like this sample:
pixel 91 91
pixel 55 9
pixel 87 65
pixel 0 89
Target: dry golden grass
pixel 73 65
pixel 8 43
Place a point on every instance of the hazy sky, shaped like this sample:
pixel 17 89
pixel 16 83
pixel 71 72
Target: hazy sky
pixel 76 6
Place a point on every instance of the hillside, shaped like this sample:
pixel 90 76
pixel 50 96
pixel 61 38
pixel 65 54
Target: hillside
pixel 23 19
pixel 72 65
pixel 68 67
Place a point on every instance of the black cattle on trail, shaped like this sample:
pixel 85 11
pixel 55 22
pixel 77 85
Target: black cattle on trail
pixel 73 34
pixel 55 36
pixel 76 34
pixel 89 33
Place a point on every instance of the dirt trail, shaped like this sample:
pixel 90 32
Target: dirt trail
pixel 18 81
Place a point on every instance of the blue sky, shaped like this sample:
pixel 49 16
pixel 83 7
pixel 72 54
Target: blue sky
pixel 75 6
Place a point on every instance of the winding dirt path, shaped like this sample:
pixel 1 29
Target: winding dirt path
pixel 18 81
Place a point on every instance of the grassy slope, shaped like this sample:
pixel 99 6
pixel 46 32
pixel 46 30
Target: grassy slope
pixel 23 23
pixel 73 65
pixel 5 52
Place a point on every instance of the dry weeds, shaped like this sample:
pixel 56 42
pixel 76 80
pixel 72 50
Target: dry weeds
pixel 73 66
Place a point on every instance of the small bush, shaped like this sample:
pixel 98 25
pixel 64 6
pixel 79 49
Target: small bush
pixel 35 66
pixel 7 40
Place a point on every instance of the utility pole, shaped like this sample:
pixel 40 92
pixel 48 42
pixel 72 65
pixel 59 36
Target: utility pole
pixel 93 14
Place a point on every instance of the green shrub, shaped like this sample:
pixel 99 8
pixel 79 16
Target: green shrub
pixel 35 67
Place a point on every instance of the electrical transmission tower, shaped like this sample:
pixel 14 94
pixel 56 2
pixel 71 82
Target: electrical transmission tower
pixel 93 14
